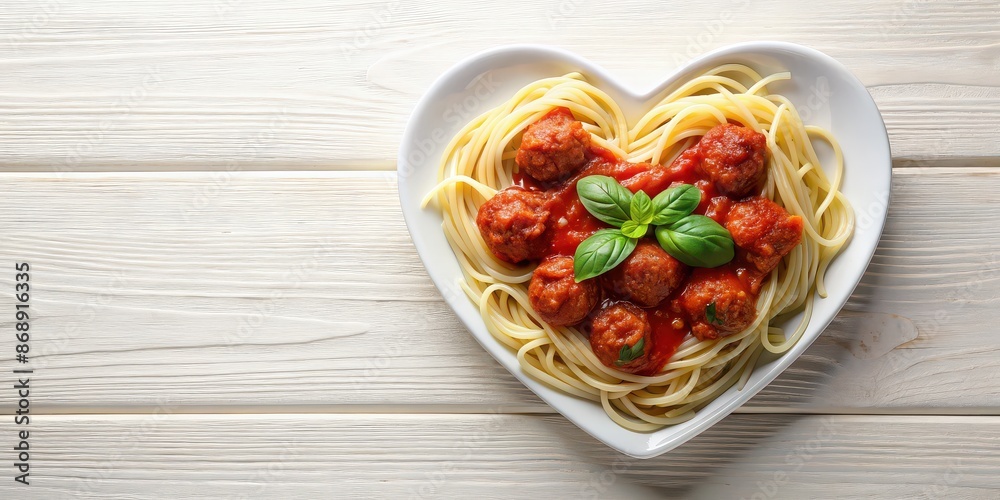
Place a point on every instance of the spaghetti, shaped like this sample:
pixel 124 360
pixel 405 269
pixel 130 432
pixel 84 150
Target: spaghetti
pixel 480 161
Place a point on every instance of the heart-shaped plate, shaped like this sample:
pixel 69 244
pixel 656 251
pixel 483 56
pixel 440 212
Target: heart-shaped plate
pixel 825 93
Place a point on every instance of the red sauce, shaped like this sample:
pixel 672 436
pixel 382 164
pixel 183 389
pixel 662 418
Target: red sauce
pixel 571 222
pixel 659 178
pixel 669 330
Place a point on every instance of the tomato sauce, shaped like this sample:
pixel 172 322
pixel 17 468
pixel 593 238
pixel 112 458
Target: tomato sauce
pixel 669 330
pixel 571 222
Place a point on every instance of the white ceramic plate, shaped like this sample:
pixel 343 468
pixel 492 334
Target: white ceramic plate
pixel 825 93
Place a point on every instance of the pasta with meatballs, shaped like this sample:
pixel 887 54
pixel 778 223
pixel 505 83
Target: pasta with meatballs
pixel 643 266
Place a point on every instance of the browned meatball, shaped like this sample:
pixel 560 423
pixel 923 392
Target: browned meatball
pixel 647 276
pixel 734 158
pixel 764 230
pixel 553 147
pixel 513 224
pixel 615 326
pixel 717 303
pixel 556 296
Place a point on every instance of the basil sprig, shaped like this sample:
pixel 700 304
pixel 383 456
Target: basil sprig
pixel 712 315
pixel 695 240
pixel 629 354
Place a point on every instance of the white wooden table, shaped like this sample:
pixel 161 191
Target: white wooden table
pixel 226 302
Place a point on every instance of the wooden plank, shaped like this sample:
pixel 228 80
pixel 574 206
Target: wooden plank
pixel 501 456
pixel 250 85
pixel 229 293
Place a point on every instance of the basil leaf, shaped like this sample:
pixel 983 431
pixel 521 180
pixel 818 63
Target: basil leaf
pixel 628 354
pixel 600 253
pixel 603 197
pixel 711 315
pixel 632 229
pixel 675 203
pixel 698 241
pixel 623 355
pixel 641 209
pixel 637 349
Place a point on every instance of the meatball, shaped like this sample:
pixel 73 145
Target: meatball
pixel 652 178
pixel 764 231
pixel 647 276
pixel 717 303
pixel 553 147
pixel 513 224
pixel 556 296
pixel 616 326
pixel 734 158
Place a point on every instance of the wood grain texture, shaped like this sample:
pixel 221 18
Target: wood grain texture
pixel 226 325
pixel 256 85
pixel 254 292
pixel 504 456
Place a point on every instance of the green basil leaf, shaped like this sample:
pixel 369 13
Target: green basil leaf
pixel 603 197
pixel 638 348
pixel 628 354
pixel 711 315
pixel 698 241
pixel 641 209
pixel 600 253
pixel 675 203
pixel 632 229
pixel 623 355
